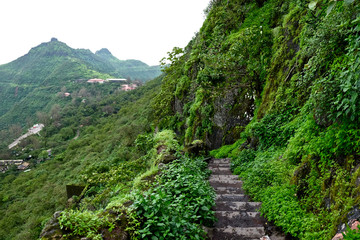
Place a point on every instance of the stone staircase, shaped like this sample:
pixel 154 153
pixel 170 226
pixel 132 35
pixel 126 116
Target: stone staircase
pixel 238 217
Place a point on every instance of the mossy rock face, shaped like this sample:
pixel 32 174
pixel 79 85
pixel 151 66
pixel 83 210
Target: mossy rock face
pixel 168 158
pixel 196 148
pixel 52 230
pixel 351 216
pixel 233 133
pixel 214 140
pixel 299 178
pixel 119 232
pixel 229 116
pixel 116 234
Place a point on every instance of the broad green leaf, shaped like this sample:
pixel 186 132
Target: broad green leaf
pixel 204 208
pixel 312 5
pixel 347 2
pixel 354 96
pixel 330 7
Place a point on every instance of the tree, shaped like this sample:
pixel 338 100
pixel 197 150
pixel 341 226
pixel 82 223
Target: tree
pixel 108 109
pixel 55 114
pixel 43 118
pixel 15 131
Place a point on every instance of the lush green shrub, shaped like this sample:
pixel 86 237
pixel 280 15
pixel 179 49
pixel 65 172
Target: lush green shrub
pixel 280 205
pixel 177 205
pixel 144 142
pixel 246 155
pixel 166 138
pixel 227 150
pixel 84 224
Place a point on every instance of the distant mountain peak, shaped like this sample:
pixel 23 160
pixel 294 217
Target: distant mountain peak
pixel 103 51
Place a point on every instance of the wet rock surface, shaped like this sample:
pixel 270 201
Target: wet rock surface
pixel 52 229
pixel 238 217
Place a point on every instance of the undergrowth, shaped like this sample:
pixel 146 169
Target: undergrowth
pixel 177 205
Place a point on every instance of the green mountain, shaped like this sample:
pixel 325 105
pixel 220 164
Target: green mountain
pixel 30 83
pixel 273 85
pixel 133 69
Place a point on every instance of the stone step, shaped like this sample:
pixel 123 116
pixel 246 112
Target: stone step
pixel 238 219
pixel 231 198
pixel 220 171
pixel 217 161
pixel 225 183
pixel 237 206
pixel 218 168
pixel 228 190
pixel 227 165
pixel 226 177
pixel 237 233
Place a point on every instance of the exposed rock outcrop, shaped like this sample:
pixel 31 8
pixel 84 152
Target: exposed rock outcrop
pixel 52 230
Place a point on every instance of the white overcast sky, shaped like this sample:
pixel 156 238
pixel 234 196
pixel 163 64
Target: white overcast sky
pixel 131 29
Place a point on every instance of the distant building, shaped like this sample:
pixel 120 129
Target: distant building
pixel 95 80
pixel 66 94
pixel 6 164
pixel 128 87
pixel 23 166
pixel 11 162
pixel 116 80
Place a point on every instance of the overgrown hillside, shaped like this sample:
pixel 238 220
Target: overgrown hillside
pixel 281 80
pixel 104 158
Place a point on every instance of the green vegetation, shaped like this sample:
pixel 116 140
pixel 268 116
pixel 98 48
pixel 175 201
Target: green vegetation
pixel 104 157
pixel 299 155
pixel 274 85
pixel 278 80
pixel 33 82
pixel 177 204
pixel 351 235
pixel 84 223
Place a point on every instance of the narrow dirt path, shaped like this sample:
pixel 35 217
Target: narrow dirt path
pixel 77 134
pixel 238 217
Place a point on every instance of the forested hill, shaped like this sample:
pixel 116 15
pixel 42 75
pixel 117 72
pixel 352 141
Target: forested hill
pixel 30 83
pixel 279 80
pixel 135 69
pixel 55 61
pixel 273 85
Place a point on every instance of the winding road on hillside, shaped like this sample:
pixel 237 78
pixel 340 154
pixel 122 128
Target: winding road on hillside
pixel 33 130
